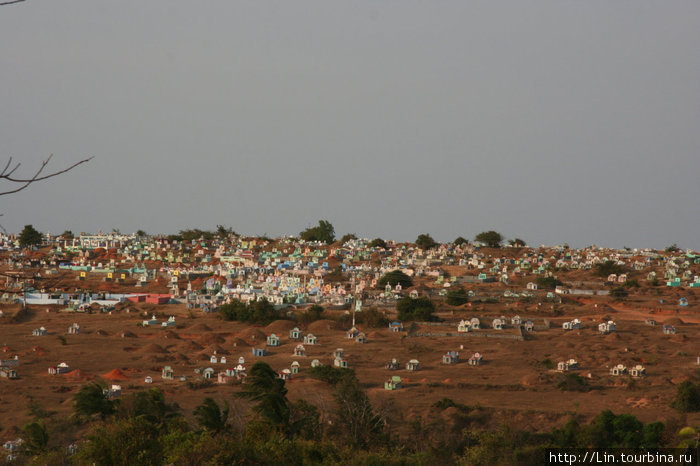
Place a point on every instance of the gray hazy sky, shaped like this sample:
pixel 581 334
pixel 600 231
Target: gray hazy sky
pixel 553 121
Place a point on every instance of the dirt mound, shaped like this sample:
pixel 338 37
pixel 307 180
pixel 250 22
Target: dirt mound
pixel 679 338
pixel 191 346
pixel 77 374
pixel 115 374
pixel 102 332
pixel 153 348
pixel 200 327
pixel 612 336
pixel 211 349
pixel 237 342
pixel 127 334
pixel 674 321
pixel 280 327
pixel 252 335
pixel 211 338
pixel 180 357
pixel 323 325
pixel 172 335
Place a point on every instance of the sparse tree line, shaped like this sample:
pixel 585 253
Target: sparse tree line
pixel 259 424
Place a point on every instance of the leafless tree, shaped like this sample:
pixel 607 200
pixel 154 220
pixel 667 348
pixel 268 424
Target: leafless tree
pixel 10 3
pixel 18 183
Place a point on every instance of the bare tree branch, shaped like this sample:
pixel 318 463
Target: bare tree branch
pixel 7 172
pixel 10 3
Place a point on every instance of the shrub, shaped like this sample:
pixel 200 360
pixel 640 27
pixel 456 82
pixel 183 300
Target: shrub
pixel 377 243
pixel 329 374
pixel 420 309
pixel 425 241
pixel 608 267
pixel 257 312
pixel 324 232
pixel 548 283
pixel 575 383
pixel 457 296
pixel 312 314
pixel 394 277
pixel 687 398
pixel 490 238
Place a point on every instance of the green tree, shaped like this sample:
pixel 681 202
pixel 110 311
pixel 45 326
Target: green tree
pixel 270 395
pixel 394 277
pixel 490 238
pixel 30 237
pixel 357 421
pixel 687 399
pixel 425 241
pixel 123 442
pixel 140 233
pixel 460 241
pixel 211 417
pixel 456 296
pixel 517 243
pixel 377 243
pixel 149 404
pixel 548 283
pixel 67 234
pixel 673 248
pixel 348 237
pixel 618 292
pixel 256 312
pixel 324 233
pixel 603 269
pixel 91 400
pixel 420 309
pixel 36 438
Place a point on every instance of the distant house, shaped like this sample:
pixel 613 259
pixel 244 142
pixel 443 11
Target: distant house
pixel 295 333
pixel 651 322
pixel 61 368
pixel 638 371
pixel 352 333
pixel 316 363
pixel 529 326
pixel 476 359
pixel 669 329
pixel 392 365
pixel 532 286
pixel 8 372
pixel 464 326
pixel 148 379
pixel 572 325
pixel 39 332
pixel 451 357
pixel 259 352
pixel 273 340
pixel 396 327
pixel 340 362
pixel 284 374
pixel 475 323
pixel 151 321
pixel 295 367
pixel 310 339
pixel 498 324
pixel 516 320
pixel 222 378
pixel 74 329
pixel 208 373
pixel 167 373
pixel 393 384
pixel 564 366
pixel 169 323
pixel 412 365
pixel 361 338
pixel 114 391
pixel 339 353
pixel 299 350
pixel 606 327
pixel 618 370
